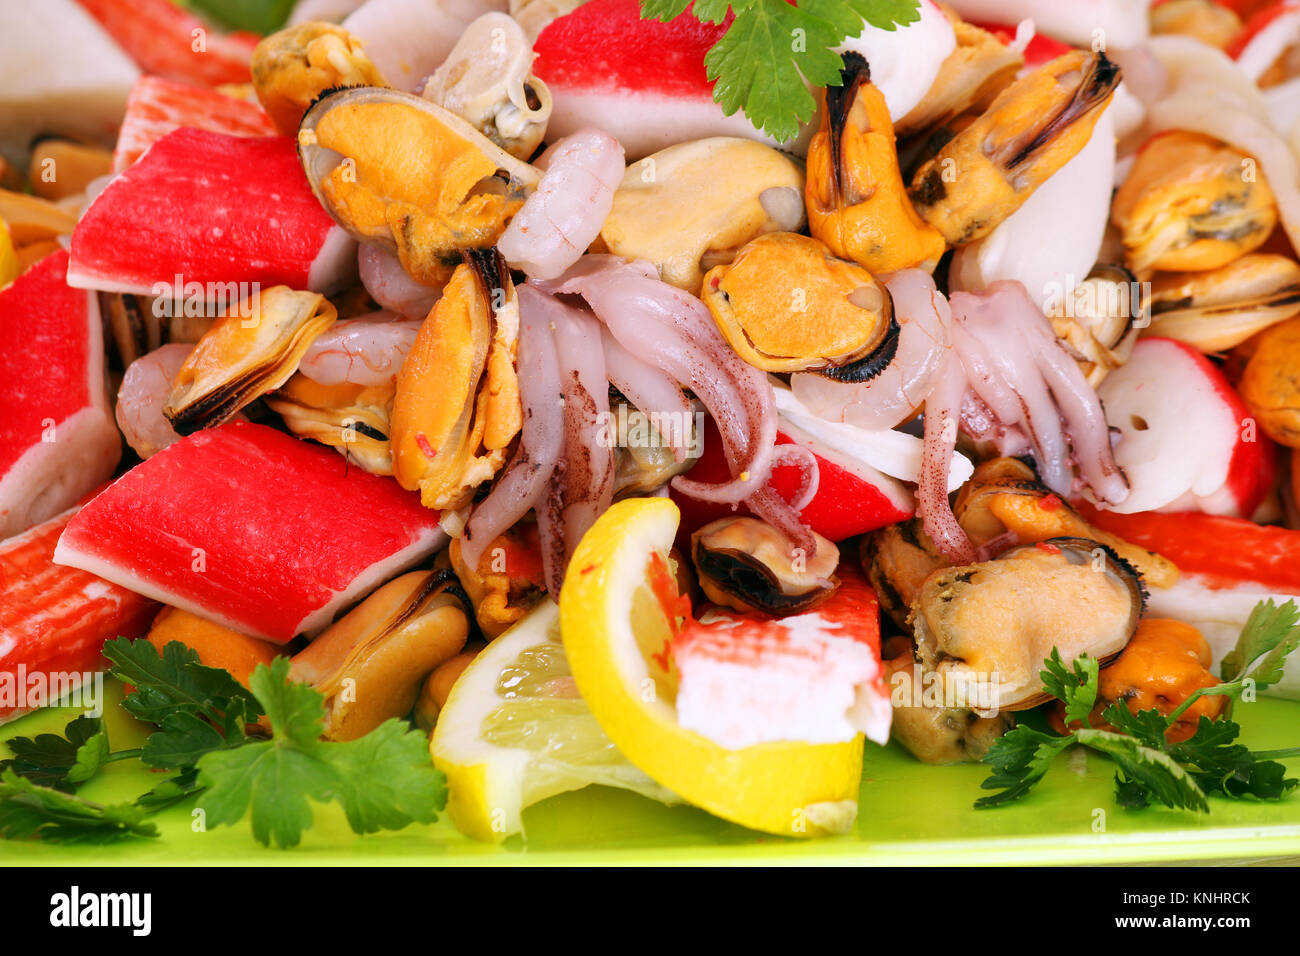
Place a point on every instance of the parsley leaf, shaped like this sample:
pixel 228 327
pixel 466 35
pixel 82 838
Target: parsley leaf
pixel 1150 768
pixel 257 16
pixel 1158 774
pixel 773 50
pixel 1147 726
pixel 1222 766
pixel 1078 690
pixel 172 790
pixel 49 760
pixel 1020 758
pixel 29 810
pixel 197 708
pixel 384 780
pixel 1271 631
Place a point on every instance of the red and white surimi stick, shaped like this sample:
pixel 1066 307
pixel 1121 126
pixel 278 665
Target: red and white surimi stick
pixel 158 105
pixel 54 620
pixel 251 528
pixel 641 81
pixel 748 679
pixel 57 436
pixel 1226 566
pixel 164 39
pixel 212 209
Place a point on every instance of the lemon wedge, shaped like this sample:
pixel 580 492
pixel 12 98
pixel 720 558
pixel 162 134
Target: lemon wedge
pixel 615 610
pixel 515 731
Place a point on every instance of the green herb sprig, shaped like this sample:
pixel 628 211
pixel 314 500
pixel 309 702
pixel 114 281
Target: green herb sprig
pixel 1152 770
pixel 384 780
pixel 773 49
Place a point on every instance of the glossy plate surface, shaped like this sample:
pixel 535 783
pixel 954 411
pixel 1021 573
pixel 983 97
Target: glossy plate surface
pixel 911 815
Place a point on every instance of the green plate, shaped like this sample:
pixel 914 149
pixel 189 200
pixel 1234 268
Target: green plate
pixel 910 814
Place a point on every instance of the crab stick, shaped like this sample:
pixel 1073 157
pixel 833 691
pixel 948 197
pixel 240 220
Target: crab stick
pixel 1227 565
pixel 158 105
pixel 254 529
pixel 54 620
pixel 214 210
pixel 165 39
pixel 57 436
pixel 748 679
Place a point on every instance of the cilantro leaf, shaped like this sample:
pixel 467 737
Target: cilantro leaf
pixel 1019 758
pixel 1077 690
pixel 381 780
pixel 1270 630
pixel 773 50
pixel 60 762
pixel 1160 775
pixel 29 810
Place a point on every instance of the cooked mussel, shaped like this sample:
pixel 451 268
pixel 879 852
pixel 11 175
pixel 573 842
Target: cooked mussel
pixel 1099 320
pixel 252 349
pixel 1191 203
pixel 973 74
pixel 931 732
pixel 898 558
pixel 487 80
pixel 1270 383
pixel 352 419
pixel 294 66
pixel 1217 310
pixel 437 686
pixel 1033 128
pixel 985 629
pixel 1210 22
pixel 786 304
pixel 1003 501
pixel 747 565
pixel 395 169
pixel 1166 662
pixel 857 204
pixel 508 581
pixel 670 211
pixel 457 405
pixel 371 663
pixel 644 461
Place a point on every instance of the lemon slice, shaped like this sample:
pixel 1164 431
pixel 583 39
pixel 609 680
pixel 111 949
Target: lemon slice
pixel 515 731
pixel 616 631
pixel 8 258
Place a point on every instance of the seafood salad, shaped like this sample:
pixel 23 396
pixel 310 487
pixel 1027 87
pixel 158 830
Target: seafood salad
pixel 478 400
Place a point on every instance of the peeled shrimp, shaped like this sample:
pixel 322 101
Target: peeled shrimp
pixel 391 286
pixel 368 350
pixel 140 400
pixel 564 215
pixel 896 393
